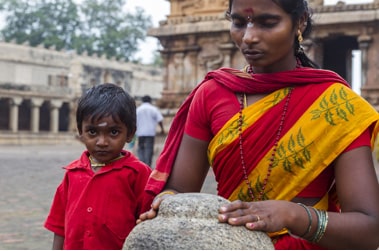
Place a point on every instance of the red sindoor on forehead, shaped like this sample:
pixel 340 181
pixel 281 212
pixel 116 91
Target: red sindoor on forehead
pixel 249 11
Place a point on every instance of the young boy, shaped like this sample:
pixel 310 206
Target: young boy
pixel 102 193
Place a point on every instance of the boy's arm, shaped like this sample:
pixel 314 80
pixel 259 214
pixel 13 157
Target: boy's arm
pixel 58 242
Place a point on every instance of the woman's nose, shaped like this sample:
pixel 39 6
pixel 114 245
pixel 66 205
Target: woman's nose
pixel 251 34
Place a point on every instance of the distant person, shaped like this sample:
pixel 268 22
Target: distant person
pixel 102 192
pixel 148 117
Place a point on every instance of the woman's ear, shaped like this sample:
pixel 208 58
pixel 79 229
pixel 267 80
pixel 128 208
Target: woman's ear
pixel 303 22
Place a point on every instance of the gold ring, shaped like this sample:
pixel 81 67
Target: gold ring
pixel 258 218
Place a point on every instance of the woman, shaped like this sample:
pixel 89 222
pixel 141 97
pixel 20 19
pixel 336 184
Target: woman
pixel 289 144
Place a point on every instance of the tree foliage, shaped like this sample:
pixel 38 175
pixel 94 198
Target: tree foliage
pixel 94 26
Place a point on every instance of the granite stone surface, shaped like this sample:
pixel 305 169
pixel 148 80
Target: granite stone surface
pixel 189 221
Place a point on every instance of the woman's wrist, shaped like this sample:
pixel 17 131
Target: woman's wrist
pixel 310 219
pixel 316 224
pixel 166 192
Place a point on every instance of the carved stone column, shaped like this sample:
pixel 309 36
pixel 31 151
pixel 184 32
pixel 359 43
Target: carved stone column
pixel 54 115
pixel 227 50
pixel 73 105
pixel 364 43
pixel 15 102
pixel 34 122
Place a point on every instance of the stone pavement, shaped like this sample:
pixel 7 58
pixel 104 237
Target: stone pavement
pixel 29 177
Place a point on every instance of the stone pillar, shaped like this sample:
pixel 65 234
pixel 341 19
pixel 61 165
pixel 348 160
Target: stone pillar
pixel 72 119
pixel 226 50
pixel 176 83
pixel 54 115
pixel 364 43
pixel 315 53
pixel 34 123
pixel 13 118
pixel 166 61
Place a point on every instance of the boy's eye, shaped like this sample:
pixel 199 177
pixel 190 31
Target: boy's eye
pixel 92 132
pixel 114 132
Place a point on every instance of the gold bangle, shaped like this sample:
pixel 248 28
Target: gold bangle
pixel 165 192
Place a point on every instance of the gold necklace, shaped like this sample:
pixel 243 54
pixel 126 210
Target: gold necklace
pixel 95 164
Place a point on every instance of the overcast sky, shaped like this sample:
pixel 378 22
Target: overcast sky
pixel 158 10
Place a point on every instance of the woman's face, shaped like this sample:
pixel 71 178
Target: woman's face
pixel 265 34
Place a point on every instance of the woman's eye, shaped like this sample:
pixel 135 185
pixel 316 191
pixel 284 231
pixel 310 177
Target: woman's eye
pixel 268 24
pixel 238 23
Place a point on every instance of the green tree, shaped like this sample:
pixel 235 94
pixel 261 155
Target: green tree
pixel 51 23
pixel 95 26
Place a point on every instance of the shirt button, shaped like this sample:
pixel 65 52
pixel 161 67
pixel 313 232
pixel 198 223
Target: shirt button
pixel 89 209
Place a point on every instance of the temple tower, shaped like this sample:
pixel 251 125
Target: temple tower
pixel 195 39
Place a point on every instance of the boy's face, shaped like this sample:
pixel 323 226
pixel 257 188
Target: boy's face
pixel 104 138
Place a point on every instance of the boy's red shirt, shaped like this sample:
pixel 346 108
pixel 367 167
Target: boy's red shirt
pixel 98 210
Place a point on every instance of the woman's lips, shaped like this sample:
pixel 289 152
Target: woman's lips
pixel 253 54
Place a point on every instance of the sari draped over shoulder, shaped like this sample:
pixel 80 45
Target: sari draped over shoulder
pixel 324 117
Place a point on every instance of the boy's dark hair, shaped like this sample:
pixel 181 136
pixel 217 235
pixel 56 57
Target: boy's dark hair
pixel 107 100
pixel 146 98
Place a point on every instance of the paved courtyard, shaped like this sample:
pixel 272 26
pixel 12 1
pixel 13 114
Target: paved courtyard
pixel 29 177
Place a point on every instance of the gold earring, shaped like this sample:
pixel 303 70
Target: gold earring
pixel 299 36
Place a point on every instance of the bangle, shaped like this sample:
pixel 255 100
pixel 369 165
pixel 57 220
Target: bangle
pixel 309 219
pixel 165 192
pixel 322 223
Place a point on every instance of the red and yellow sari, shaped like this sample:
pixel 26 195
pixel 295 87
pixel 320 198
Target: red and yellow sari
pixel 325 116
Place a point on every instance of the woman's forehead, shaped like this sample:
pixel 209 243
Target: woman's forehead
pixel 256 7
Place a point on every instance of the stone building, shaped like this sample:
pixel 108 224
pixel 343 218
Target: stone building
pixel 39 88
pixel 195 39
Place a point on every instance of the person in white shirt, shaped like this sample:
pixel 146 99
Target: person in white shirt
pixel 148 117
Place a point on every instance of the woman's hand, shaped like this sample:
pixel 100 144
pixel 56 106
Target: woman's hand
pixel 268 216
pixel 152 213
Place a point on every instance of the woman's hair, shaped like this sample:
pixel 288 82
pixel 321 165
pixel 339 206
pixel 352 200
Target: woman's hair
pixel 107 100
pixel 296 9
